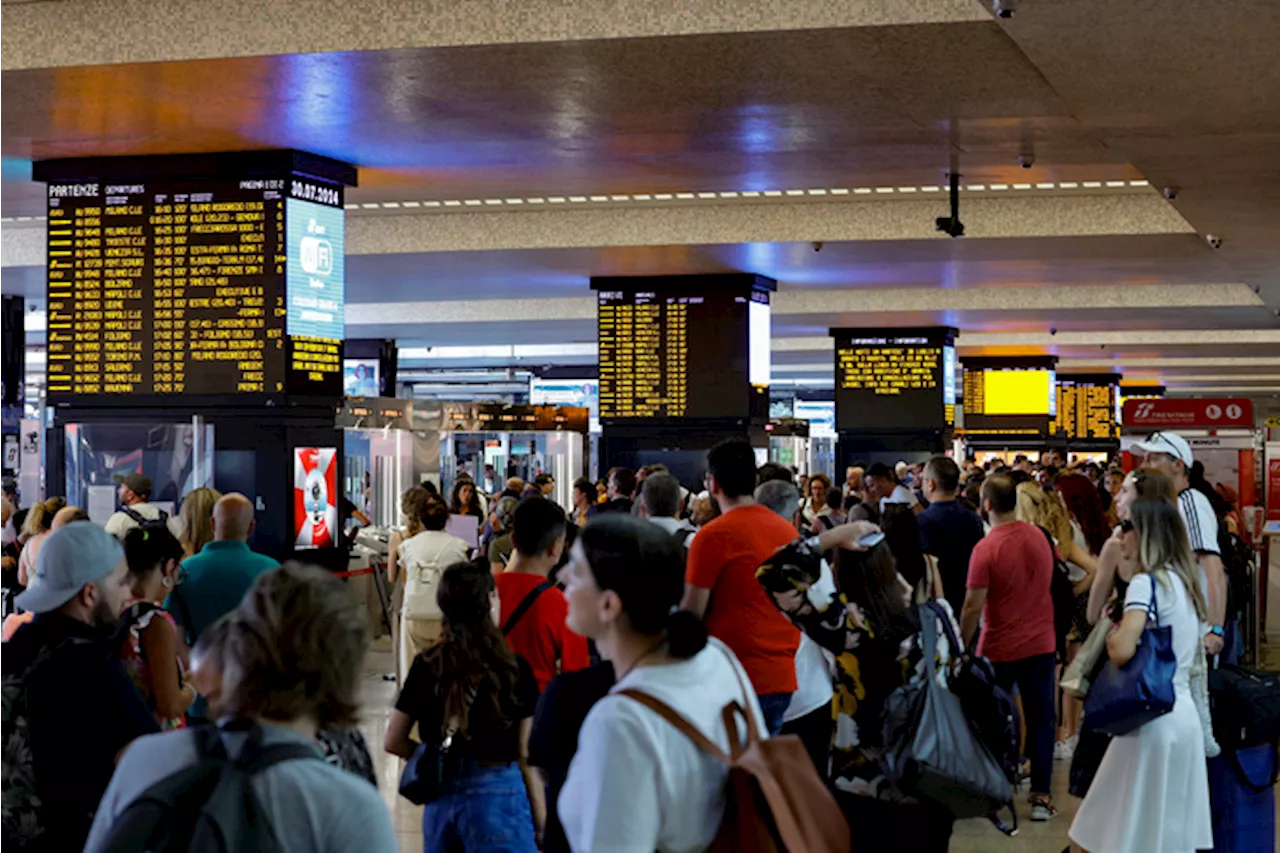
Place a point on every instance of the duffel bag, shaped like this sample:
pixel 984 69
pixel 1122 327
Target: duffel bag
pixel 1245 706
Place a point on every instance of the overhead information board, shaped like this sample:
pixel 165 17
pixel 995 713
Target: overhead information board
pixel 181 289
pixel 1088 408
pixel 1009 398
pixel 678 351
pixel 891 380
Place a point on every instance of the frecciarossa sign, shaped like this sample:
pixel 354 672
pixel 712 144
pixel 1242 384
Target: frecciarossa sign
pixel 1224 412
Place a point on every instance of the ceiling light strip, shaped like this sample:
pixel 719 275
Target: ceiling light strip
pixel 721 195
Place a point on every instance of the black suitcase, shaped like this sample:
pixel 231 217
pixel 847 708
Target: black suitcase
pixel 1245 705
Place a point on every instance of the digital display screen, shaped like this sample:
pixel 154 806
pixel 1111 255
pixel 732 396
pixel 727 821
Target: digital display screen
pixel 671 354
pixel 1009 400
pixel 889 380
pixel 1087 409
pixel 164 289
pixel 1009 391
pixel 821 416
pixel 581 393
pixel 360 377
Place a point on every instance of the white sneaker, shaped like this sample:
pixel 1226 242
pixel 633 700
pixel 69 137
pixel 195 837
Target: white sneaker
pixel 1064 749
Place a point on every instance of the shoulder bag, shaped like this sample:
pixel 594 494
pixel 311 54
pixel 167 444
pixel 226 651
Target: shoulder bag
pixel 930 747
pixel 1075 678
pixel 1127 697
pixel 433 762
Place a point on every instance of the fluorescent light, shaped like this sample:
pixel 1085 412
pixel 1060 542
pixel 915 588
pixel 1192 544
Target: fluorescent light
pixel 414 203
pixel 1091 185
pixel 619 198
pixel 577 199
pixel 1115 183
pixel 536 200
pixel 662 196
pixel 514 200
pixel 751 194
pixel 884 189
pixel 598 198
pixel 773 193
pixel 557 199
pixel 840 191
pixel 977 188
pixel 500 351
pixel 391 204
pixel 1067 185
pixel 931 188
pixel 728 195
pixel 453 202
pixel 816 192
pixel 862 190
pixel 1047 185
pixel 906 189
pixel 642 197
pixel 370 206
pixel 999 187
pixel 685 195
pixel 706 195
pixel 795 192
pixel 1022 186
pixel 1139 183
pixel 472 202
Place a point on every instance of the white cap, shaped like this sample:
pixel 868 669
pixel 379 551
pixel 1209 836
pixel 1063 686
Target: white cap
pixel 1168 443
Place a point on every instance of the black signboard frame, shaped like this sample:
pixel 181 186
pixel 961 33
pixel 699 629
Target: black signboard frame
pixel 926 410
pixel 1064 437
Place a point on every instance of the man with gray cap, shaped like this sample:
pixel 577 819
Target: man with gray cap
pixel 1170 454
pixel 81 708
pixel 136 507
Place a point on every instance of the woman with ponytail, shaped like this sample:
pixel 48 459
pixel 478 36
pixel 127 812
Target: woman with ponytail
pixel 470 687
pixel 36 528
pixel 637 782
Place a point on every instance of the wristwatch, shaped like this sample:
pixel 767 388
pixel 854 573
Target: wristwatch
pixel 1216 630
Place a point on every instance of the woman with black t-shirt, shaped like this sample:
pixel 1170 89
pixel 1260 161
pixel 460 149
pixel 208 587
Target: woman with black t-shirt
pixel 470 685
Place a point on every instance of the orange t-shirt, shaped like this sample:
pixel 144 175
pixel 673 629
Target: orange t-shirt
pixel 541 636
pixel 723 558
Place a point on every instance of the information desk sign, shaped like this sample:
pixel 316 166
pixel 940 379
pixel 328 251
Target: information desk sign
pixel 1009 399
pixel 683 347
pixel 167 290
pixel 895 380
pixel 1088 408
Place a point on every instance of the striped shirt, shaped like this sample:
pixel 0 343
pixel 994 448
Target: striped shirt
pixel 1202 524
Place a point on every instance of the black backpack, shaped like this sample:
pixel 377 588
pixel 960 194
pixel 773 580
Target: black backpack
pixel 160 521
pixel 209 807
pixel 1238 566
pixel 1245 705
pixel 1063 593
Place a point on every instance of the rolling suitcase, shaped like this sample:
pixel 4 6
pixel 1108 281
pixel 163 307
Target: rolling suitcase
pixel 1243 799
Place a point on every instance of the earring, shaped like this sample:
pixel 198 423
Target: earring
pixel 166 582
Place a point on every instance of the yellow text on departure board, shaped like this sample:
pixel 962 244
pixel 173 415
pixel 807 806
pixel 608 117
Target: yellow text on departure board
pixel 889 371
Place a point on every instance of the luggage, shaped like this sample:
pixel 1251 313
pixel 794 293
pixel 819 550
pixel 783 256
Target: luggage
pixel 1245 705
pixel 1243 799
pixel 930 748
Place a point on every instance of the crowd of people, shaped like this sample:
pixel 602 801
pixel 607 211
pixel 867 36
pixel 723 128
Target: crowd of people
pixel 563 686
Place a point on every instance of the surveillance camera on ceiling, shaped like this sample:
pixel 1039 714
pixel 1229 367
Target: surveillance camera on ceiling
pixel 1026 161
pixel 1004 8
pixel 1214 241
pixel 951 225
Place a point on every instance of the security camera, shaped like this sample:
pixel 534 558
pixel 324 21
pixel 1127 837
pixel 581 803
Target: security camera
pixel 951 225
pixel 1214 241
pixel 1053 331
pixel 817 245
pixel 1026 161
pixel 1170 193
pixel 1004 8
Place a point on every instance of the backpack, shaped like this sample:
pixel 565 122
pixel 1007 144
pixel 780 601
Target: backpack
pixel 160 521
pixel 22 806
pixel 1063 593
pixel 209 807
pixel 1238 565
pixel 774 799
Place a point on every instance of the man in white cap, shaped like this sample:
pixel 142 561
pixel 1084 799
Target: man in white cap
pixel 1170 453
pixel 81 708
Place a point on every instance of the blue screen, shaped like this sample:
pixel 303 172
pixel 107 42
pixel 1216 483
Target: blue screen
pixel 316 269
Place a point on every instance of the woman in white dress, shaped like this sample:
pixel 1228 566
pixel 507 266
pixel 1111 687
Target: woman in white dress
pixel 1151 794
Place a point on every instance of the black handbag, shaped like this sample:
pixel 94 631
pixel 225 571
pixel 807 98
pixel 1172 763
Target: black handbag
pixel 1246 706
pixel 431 764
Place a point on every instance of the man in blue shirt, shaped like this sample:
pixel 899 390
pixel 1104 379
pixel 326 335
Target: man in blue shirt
pixel 219 576
pixel 948 529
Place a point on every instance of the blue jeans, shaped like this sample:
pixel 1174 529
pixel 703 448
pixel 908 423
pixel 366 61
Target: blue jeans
pixel 774 706
pixel 482 808
pixel 1034 677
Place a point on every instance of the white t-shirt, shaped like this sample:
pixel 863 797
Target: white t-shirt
pixel 636 782
pixel 120 523
pixel 1202 523
pixel 900 495
pixel 423 559
pixel 813 681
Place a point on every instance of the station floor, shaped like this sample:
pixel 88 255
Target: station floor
pixel 974 836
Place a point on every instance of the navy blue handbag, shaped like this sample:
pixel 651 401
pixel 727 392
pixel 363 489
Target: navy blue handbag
pixel 1124 698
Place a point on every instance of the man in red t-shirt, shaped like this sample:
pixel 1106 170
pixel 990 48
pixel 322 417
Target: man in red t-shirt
pixel 540 635
pixel 1010 573
pixel 721 585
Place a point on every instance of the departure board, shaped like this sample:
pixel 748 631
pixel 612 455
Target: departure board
pixel 671 354
pixel 1008 398
pixel 181 289
pixel 1087 408
pixel 890 380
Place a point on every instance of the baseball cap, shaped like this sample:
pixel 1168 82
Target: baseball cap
pixel 139 484
pixel 1168 443
pixel 71 556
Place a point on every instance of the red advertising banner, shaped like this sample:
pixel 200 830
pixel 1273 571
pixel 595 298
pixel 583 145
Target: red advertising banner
pixel 1216 413
pixel 1273 490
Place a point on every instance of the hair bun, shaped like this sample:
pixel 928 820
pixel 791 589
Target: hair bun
pixel 686 634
